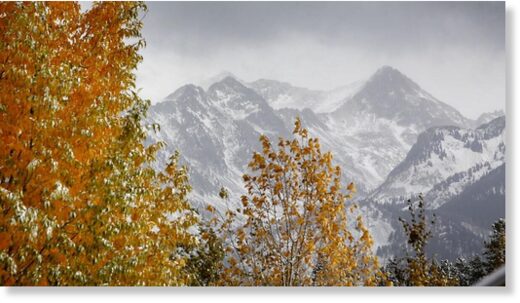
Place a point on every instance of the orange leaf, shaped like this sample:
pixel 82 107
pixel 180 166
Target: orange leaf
pixel 5 240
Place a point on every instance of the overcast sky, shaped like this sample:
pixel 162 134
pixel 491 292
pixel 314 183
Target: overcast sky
pixel 454 50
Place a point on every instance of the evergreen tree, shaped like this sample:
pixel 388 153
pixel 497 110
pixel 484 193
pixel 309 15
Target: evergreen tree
pixel 495 248
pixel 470 272
pixel 206 261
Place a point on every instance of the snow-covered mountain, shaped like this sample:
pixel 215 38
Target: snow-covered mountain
pixel 216 132
pixel 443 161
pixel 463 221
pixel 389 136
pixel 390 95
pixel 486 117
pixel 461 174
pixel 480 203
pixel 373 130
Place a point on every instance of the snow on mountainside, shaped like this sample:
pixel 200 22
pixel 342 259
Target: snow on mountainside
pixel 239 103
pixel 463 221
pixel 389 136
pixel 481 203
pixel 390 95
pixel 281 95
pixel 335 98
pixel 216 133
pixel 370 131
pixel 284 95
pixel 376 127
pixel 456 169
pixel 443 161
pixel 487 117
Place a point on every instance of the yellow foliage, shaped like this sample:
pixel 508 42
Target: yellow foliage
pixel 77 194
pixel 294 229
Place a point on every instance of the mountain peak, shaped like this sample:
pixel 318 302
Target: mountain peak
pixel 206 83
pixel 387 69
pixel 388 85
pixel 391 78
pixel 231 94
pixel 391 95
pixel 185 90
pixel 228 83
pixel 230 80
pixel 187 96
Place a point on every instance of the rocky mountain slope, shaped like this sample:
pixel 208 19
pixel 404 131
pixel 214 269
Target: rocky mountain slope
pixel 443 161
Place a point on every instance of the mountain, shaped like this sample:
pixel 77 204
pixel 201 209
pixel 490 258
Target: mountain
pixel 216 132
pixel 370 130
pixel 462 223
pixel 443 161
pixel 461 173
pixel 283 95
pixel 373 130
pixel 486 117
pixel 480 204
pixel 390 95
pixel 241 103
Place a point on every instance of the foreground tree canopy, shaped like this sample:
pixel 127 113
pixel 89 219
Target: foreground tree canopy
pixel 292 228
pixel 78 203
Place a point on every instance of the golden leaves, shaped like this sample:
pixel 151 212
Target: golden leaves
pixel 73 153
pixel 210 208
pixel 5 240
pixel 297 126
pixel 352 187
pixel 296 222
pixel 278 188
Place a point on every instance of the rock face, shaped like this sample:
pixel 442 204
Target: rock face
pixel 389 136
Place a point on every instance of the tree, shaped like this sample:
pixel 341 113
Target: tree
pixel 470 271
pixel 419 270
pixel 292 226
pixel 206 261
pixel 495 248
pixel 473 270
pixel 79 202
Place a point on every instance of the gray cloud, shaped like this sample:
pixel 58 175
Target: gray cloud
pixel 453 49
pixel 392 25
